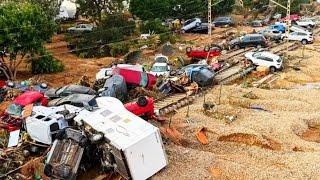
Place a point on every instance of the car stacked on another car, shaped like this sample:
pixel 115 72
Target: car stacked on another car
pixel 249 40
pixel 190 24
pixel 307 23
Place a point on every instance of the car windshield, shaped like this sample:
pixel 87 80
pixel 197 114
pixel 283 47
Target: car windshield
pixel 15 109
pixel 258 54
pixel 159 68
pixel 161 59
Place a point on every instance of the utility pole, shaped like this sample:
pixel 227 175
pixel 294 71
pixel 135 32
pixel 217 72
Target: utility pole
pixel 210 15
pixel 288 21
pixel 209 19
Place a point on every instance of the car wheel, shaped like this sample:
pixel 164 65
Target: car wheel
pixel 197 24
pixel 142 101
pixel 183 31
pixel 236 47
pixel 272 69
pixel 206 48
pixel 304 41
pixel 188 49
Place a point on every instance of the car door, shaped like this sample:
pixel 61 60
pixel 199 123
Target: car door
pixel 294 36
pixel 253 41
pixel 266 61
pixel 245 41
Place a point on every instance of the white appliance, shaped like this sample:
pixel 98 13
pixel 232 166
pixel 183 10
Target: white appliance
pixel 135 144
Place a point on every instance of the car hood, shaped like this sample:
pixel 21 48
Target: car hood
pixel 72 99
pixel 249 54
pixel 234 41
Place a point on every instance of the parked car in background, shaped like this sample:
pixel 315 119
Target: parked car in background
pixel 222 22
pixel 304 38
pixel 29 97
pixel 190 23
pixel 257 23
pixel 160 69
pixel 292 17
pixel 68 90
pixel 79 100
pixel 249 40
pixel 202 29
pixel 265 58
pixel 272 34
pixel 307 23
pixel 80 28
pixel 204 53
pixel 279 27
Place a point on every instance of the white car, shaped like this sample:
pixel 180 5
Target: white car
pixel 306 23
pixel 80 28
pixel 303 37
pixel 265 58
pixel 296 28
pixel 190 23
pixel 160 69
pixel 104 73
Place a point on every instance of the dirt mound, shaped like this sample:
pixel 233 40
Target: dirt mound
pixel 311 134
pixel 251 140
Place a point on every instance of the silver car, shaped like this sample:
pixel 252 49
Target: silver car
pixel 80 28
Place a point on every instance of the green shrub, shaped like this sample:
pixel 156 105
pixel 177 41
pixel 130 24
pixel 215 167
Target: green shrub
pixel 46 64
pixel 154 26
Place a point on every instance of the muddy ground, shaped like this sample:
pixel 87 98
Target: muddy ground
pixel 280 140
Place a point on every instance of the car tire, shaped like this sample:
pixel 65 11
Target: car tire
pixel 197 24
pixel 188 49
pixel 142 101
pixel 272 69
pixel 250 62
pixel 304 41
pixel 236 47
pixel 206 49
pixel 183 31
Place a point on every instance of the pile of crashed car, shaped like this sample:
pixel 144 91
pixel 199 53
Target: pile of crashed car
pixel 106 125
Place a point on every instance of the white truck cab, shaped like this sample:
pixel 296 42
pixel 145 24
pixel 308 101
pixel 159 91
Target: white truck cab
pixel 45 122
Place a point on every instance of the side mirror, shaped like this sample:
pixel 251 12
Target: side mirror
pixel 87 106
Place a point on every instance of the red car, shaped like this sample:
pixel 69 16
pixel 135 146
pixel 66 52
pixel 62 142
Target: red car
pixel 293 17
pixel 144 107
pixel 203 54
pixel 11 119
pixel 137 78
